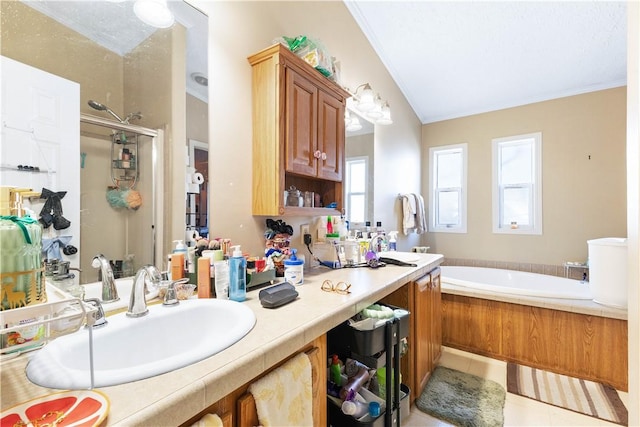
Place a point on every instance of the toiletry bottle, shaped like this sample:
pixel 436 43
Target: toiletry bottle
pixel 181 248
pixel 355 382
pixel 392 240
pixel 355 408
pixel 294 269
pixel 204 283
pixel 382 242
pixel 336 374
pixel 221 271
pixel 237 275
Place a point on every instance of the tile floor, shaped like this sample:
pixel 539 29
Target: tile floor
pixel 518 410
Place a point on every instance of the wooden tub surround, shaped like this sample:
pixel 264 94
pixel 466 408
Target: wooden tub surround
pixel 579 345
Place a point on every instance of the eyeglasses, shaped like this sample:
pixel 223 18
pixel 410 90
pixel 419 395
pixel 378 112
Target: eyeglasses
pixel 340 288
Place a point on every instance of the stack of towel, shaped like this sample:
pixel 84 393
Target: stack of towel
pixel 284 396
pixel 413 216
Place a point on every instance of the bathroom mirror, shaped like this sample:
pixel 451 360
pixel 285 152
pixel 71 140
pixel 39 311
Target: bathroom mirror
pixel 359 164
pixel 129 72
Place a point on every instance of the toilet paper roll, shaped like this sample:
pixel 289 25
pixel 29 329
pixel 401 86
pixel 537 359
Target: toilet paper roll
pixel 197 178
pixel 191 235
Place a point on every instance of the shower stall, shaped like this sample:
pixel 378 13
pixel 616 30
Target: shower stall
pixel 121 193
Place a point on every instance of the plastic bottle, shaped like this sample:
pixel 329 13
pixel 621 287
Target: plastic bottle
pixel 355 382
pixel 393 235
pixel 382 242
pixel 294 269
pixel 181 248
pixel 336 374
pixel 237 275
pixel 221 272
pixel 355 408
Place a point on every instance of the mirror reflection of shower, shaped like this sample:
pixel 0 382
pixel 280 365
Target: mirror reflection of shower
pixel 101 107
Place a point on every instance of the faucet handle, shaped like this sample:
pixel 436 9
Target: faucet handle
pixel 171 297
pixel 99 318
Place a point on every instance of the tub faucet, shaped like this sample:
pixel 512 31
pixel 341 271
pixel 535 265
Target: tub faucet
pixel 109 291
pixel 137 302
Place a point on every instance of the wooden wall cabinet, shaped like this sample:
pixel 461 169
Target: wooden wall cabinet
pixel 298 133
pixel 422 298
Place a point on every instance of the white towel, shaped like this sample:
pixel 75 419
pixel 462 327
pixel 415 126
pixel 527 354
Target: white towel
pixel 408 213
pixel 421 219
pixel 284 397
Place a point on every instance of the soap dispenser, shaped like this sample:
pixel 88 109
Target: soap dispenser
pixel 237 275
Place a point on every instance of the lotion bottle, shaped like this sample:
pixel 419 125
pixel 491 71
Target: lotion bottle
pixel 237 275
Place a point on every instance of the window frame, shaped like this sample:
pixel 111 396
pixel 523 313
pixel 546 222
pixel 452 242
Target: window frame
pixel 434 191
pixel 535 187
pixel 348 193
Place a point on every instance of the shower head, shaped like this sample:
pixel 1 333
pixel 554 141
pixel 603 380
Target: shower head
pixel 102 107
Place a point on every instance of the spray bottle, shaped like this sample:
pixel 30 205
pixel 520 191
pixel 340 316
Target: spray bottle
pixel 237 275
pixel 392 240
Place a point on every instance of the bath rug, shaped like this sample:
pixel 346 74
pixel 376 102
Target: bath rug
pixel 585 397
pixel 463 399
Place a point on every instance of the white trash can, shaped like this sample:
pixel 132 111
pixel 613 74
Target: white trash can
pixel 608 271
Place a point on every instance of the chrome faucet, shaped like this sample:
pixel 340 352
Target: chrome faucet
pixel 109 291
pixel 137 302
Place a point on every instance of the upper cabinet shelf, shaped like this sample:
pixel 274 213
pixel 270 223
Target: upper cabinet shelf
pixel 298 133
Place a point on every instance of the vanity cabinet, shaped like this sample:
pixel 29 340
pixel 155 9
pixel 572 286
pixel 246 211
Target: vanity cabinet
pixel 238 408
pixel 427 327
pixel 423 298
pixel 298 133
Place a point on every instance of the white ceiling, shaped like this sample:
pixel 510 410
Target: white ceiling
pixel 457 58
pixel 113 25
pixel 449 58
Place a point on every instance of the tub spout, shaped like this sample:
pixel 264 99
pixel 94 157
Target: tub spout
pixel 137 302
pixel 109 291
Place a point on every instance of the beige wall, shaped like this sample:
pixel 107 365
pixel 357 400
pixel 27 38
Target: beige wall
pixel 583 177
pixel 197 119
pixel 239 29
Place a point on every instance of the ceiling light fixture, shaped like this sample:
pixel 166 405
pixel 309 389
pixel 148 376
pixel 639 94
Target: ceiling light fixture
pixel 154 12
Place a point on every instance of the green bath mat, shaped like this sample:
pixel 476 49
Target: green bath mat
pixel 463 399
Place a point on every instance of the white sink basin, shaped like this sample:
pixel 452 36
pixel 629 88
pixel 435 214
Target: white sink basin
pixel 94 290
pixel 129 349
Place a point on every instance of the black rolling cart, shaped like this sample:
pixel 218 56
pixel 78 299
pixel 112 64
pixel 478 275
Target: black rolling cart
pixel 376 348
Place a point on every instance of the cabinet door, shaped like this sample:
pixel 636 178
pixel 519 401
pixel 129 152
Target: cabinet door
pixel 330 137
pixel 422 336
pixel 301 119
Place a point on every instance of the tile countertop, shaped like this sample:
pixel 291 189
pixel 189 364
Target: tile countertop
pixel 174 397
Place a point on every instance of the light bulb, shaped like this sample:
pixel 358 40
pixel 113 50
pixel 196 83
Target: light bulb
pixel 154 13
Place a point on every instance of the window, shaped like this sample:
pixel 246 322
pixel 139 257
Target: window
pixel 356 189
pixel 448 190
pixel 517 184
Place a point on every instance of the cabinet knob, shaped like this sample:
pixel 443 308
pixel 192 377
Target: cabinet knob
pixel 324 156
pixel 317 154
